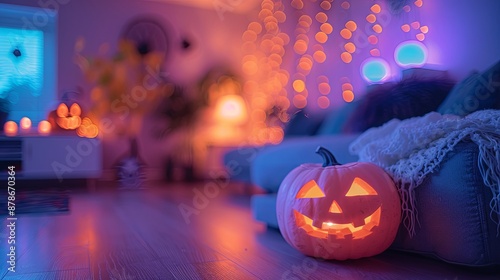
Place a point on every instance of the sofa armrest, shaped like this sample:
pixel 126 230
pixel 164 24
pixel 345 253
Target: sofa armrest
pixel 453 207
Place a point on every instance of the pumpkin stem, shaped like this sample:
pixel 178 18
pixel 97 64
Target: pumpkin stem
pixel 328 158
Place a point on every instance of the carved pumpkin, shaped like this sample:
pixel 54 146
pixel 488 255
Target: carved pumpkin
pixel 69 118
pixel 87 129
pixel 338 211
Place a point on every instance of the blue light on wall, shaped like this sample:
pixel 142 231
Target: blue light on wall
pixel 375 70
pixel 28 61
pixel 410 54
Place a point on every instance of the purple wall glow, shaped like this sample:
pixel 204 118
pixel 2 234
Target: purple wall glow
pixel 215 42
pixel 462 37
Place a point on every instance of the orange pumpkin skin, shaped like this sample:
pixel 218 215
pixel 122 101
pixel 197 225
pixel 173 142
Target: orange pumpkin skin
pixel 355 213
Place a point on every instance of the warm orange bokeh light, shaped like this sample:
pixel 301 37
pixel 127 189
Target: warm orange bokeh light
pixel 325 5
pixel 375 52
pixel 249 36
pixel 377 28
pixel 346 34
pixel 231 109
pixel 321 17
pixel 415 25
pixel 299 85
pixel 44 127
pixel 350 47
pixel 324 88
pixel 371 18
pixel 424 29
pixel 272 27
pixel 419 3
pixel 300 47
pixel 346 57
pixel 265 13
pixel 321 37
pixel 372 39
pixel 255 27
pixel 258 115
pixel 284 37
pixel 405 27
pixel 297 4
pixel 280 16
pixel 302 37
pixel 323 102
pixel 327 28
pixel 87 129
pixel 306 19
pixel 10 128
pixel 322 79
pixel 407 8
pixel 351 25
pixel 345 5
pixel 304 67
pixel 347 86
pixel 299 101
pixel 348 95
pixel 319 56
pixel 250 68
pixel 376 8
pixel 420 36
pixel 25 123
pixel 307 59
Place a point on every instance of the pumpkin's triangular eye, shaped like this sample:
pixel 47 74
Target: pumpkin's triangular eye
pixel 310 190
pixel 360 187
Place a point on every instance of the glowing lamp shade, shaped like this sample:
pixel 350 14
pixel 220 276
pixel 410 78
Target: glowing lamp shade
pixel 231 109
pixel 25 123
pixel 10 128
pixel 375 70
pixel 44 127
pixel 410 54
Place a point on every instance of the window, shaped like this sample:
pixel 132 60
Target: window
pixel 27 62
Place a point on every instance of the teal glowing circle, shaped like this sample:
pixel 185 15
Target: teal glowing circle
pixel 410 54
pixel 375 70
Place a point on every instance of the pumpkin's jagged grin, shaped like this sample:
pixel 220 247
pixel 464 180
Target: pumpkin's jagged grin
pixel 338 230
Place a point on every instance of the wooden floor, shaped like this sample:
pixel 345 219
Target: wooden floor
pixel 142 234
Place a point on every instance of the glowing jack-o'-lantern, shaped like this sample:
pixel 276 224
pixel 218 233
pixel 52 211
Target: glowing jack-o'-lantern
pixel 338 211
pixel 87 129
pixel 69 118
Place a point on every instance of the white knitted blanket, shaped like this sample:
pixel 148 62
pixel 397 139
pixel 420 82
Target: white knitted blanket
pixel 411 149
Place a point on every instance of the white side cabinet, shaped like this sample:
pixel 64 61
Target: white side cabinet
pixel 52 157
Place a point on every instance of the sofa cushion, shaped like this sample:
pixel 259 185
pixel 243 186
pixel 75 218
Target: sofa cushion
pixel 238 162
pixel 411 97
pixel 273 163
pixel 302 124
pixel 477 92
pixel 453 207
pixel 336 119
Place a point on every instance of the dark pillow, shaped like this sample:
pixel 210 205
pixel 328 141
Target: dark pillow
pixel 411 97
pixel 333 122
pixel 302 124
pixel 477 92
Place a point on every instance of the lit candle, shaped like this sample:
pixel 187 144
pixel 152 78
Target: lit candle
pixel 10 128
pixel 25 124
pixel 44 127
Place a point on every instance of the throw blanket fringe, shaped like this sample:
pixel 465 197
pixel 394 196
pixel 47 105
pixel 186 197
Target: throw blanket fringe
pixel 411 149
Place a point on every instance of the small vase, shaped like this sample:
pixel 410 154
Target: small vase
pixel 130 169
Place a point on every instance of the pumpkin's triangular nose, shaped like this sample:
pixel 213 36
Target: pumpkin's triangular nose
pixel 335 208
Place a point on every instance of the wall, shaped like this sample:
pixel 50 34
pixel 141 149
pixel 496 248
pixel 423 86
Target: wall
pixel 462 37
pixel 215 41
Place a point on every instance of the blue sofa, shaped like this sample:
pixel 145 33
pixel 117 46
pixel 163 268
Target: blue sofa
pixel 453 204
